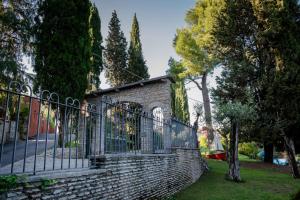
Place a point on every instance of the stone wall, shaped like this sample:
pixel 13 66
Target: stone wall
pixel 149 96
pixel 119 177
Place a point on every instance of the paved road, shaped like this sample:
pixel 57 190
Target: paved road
pixel 20 148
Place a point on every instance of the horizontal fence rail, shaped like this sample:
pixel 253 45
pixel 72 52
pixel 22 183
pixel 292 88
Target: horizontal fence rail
pixel 41 132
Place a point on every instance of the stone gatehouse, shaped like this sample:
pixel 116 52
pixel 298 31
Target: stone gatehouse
pixel 150 94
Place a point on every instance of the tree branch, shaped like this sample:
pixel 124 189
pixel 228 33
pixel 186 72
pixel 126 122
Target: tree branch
pixel 197 84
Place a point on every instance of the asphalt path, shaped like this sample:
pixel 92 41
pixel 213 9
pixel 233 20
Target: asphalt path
pixel 31 146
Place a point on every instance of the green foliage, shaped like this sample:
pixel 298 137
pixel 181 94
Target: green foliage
pixel 252 45
pixel 45 183
pixel 16 19
pixel 136 62
pixel 72 144
pixel 115 53
pixel 194 43
pixel 237 112
pixel 63 47
pixel 96 48
pixel 203 145
pixel 180 107
pixel 9 182
pixel 249 149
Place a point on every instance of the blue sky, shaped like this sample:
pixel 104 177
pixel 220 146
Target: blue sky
pixel 158 20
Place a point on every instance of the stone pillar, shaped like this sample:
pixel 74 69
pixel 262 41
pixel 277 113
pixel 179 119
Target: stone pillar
pixel 96 134
pixel 167 136
pixel 93 114
pixel 147 134
pixel 102 126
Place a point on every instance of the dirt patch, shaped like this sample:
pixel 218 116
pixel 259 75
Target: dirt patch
pixel 266 166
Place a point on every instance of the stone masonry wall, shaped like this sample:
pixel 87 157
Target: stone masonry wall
pixel 120 177
pixel 148 96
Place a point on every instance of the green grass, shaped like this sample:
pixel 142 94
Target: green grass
pixel 259 185
pixel 246 158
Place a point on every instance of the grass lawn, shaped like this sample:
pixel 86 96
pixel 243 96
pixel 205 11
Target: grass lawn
pixel 259 184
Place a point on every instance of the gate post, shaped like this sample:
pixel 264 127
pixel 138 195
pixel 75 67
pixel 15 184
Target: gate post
pixel 147 134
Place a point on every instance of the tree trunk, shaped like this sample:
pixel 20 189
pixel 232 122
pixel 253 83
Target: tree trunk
pixel 234 165
pixel 195 129
pixel 268 152
pixel 226 148
pixel 207 110
pixel 290 148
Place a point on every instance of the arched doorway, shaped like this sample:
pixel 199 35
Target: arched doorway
pixel 158 129
pixel 122 127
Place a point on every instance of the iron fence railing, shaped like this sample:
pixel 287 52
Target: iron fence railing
pixel 41 132
pixel 183 135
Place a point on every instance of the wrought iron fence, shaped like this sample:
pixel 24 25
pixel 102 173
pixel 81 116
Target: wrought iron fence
pixel 127 128
pixel 183 135
pixel 41 132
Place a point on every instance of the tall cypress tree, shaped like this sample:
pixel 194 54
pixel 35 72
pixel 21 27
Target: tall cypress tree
pixel 136 62
pixel 115 53
pixel 96 47
pixel 63 51
pixel 180 107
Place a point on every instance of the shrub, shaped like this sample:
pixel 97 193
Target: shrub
pixel 8 182
pixel 203 145
pixel 72 144
pixel 249 149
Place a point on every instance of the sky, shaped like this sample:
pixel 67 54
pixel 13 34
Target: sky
pixel 158 21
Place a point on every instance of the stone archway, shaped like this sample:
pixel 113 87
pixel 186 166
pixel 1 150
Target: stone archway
pixel 150 94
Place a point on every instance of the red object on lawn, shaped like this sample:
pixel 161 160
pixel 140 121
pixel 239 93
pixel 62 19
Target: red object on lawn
pixel 217 156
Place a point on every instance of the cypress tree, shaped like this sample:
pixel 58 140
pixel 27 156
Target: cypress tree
pixel 63 53
pixel 96 48
pixel 136 62
pixel 115 53
pixel 180 107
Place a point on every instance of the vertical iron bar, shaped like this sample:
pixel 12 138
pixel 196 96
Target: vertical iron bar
pixel 119 127
pixel 63 135
pixel 115 129
pixel 38 133
pixel 55 136
pixel 138 131
pixel 47 129
pixel 135 132
pixel 125 125
pixel 110 133
pixel 15 135
pixel 3 129
pixel 105 127
pixel 70 132
pixel 77 137
pixel 94 121
pixel 100 126
pixel 90 137
pixel 123 130
pixel 84 136
pixel 28 128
